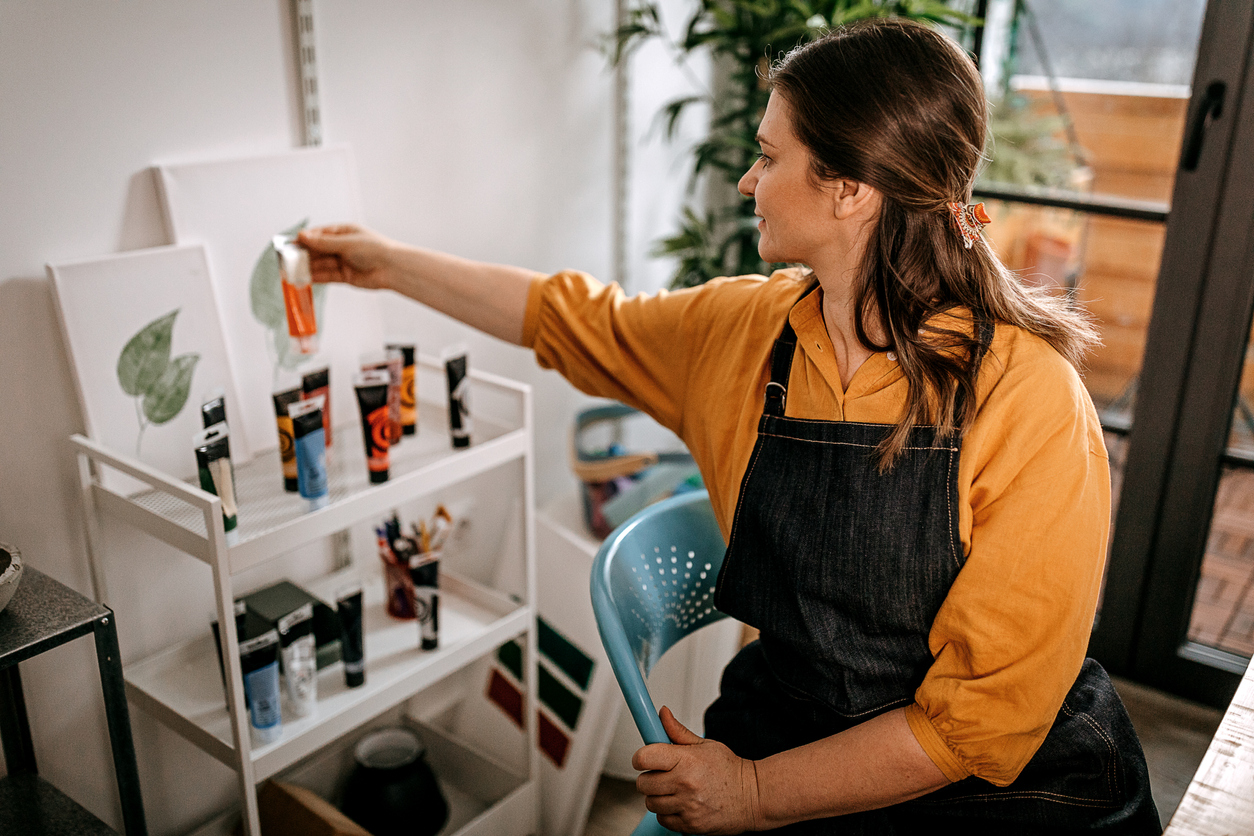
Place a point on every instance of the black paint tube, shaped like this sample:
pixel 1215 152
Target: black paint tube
pixel 456 368
pixel 352 643
pixel 241 613
pixel 424 571
pixel 300 661
pixel 372 400
pixel 284 398
pixel 217 474
pixel 213 410
pixel 259 659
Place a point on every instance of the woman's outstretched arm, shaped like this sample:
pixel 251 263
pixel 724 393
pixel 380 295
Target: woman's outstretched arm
pixel 490 297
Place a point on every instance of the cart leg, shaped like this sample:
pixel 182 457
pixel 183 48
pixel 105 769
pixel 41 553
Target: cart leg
pixel 19 750
pixel 110 663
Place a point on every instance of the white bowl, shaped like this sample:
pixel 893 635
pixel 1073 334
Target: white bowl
pixel 10 573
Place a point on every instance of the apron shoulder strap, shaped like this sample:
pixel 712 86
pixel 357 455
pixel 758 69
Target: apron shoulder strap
pixel 781 366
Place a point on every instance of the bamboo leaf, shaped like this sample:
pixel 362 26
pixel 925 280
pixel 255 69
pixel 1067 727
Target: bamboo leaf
pixel 145 356
pixel 167 397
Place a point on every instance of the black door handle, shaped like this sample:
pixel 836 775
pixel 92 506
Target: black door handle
pixel 1210 108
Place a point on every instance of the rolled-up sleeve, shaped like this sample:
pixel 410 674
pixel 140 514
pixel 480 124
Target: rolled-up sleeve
pixel 633 349
pixel 1011 635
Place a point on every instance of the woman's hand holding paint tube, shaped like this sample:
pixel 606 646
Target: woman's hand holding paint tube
pixel 349 254
pixel 490 297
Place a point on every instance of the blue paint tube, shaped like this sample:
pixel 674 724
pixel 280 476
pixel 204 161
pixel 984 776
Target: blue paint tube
pixel 311 451
pixel 259 659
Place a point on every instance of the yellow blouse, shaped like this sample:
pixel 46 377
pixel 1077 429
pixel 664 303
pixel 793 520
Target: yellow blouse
pixel 1033 479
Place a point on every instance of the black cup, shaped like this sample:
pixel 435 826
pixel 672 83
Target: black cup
pixel 392 791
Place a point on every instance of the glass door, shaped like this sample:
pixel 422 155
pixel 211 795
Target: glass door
pixel 1174 601
pixel 1114 179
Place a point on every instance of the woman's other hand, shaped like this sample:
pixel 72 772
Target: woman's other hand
pixel 697 785
pixel 350 254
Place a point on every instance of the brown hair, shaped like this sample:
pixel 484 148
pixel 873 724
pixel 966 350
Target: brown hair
pixel 899 106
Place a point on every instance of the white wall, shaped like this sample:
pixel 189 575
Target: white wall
pixel 481 126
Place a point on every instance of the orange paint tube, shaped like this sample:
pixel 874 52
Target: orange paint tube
pixel 298 302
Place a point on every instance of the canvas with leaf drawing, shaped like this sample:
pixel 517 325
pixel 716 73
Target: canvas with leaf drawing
pixel 235 207
pixel 145 341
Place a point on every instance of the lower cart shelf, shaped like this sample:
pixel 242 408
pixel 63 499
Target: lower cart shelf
pixel 183 688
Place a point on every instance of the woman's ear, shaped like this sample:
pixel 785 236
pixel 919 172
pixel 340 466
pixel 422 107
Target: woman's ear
pixel 851 198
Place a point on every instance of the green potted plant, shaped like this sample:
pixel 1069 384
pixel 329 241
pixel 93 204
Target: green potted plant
pixel 743 36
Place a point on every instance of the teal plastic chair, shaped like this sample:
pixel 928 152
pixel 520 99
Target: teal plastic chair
pixel 653 584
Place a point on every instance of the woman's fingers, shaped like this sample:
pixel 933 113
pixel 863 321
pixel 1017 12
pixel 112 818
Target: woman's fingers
pixel 677 731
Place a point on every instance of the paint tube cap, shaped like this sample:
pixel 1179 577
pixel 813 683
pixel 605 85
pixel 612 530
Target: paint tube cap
pixel 305 345
pixel 267 735
pixel 318 502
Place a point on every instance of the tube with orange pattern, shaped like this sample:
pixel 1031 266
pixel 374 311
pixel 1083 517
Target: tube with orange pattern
pixel 372 400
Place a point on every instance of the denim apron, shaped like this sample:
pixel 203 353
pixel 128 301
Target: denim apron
pixel 843 569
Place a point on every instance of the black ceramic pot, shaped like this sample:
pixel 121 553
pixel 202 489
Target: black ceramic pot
pixel 392 791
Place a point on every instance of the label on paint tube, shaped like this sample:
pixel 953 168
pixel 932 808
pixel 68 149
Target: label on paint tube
pixel 318 383
pixel 372 400
pixel 391 362
pixel 287 444
pixel 259 660
pixel 456 370
pixel 311 451
pixel 217 475
pixel 300 662
pixel 409 400
pixel 213 410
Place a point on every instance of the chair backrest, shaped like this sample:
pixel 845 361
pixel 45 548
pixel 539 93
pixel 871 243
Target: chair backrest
pixel 653 584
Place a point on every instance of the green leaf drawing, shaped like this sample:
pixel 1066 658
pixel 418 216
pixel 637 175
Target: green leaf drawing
pixel 145 356
pixel 168 395
pixel 264 292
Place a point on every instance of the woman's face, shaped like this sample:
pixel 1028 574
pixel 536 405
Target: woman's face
pixel 797 213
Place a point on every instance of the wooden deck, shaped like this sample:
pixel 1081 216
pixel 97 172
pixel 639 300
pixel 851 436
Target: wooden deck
pixel 1223 611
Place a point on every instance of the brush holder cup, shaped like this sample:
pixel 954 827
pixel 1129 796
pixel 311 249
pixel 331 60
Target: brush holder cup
pixel 10 573
pixel 392 791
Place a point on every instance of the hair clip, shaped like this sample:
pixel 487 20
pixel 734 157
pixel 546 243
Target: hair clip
pixel 969 220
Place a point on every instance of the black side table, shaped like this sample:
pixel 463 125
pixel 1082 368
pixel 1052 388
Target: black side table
pixel 42 615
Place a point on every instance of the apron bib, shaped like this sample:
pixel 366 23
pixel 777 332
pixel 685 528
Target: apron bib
pixel 842 569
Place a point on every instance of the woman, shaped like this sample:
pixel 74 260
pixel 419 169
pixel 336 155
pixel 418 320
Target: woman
pixel 897 444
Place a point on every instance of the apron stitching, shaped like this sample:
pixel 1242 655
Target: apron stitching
pixel 949 502
pixel 757 449
pixel 1110 745
pixel 851 443
pixel 1044 795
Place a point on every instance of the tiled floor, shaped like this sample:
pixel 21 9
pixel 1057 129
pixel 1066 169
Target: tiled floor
pixel 1173 732
pixel 1223 611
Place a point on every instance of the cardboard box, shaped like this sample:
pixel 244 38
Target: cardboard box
pixel 275 601
pixel 289 810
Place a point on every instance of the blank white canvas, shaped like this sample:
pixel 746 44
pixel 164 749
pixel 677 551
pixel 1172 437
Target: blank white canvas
pixel 103 303
pixel 234 207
